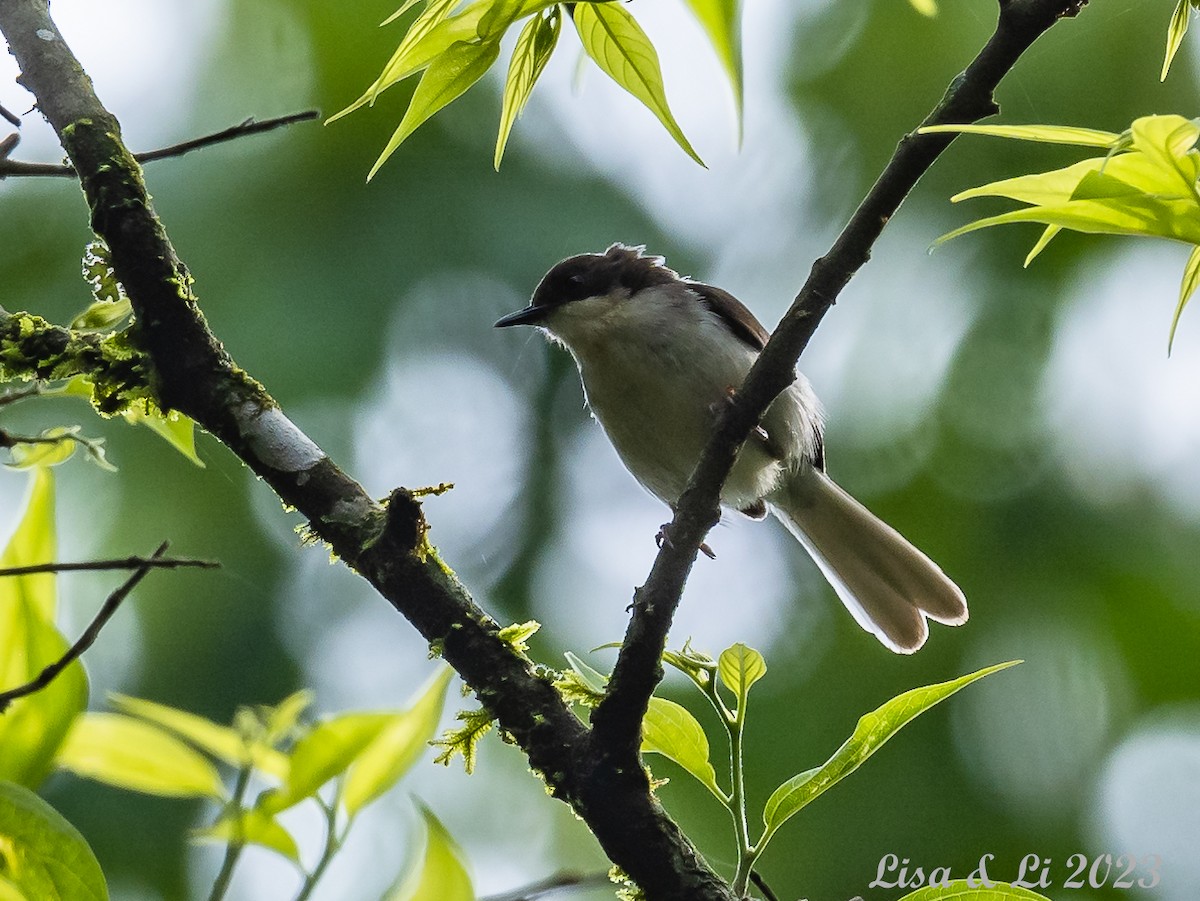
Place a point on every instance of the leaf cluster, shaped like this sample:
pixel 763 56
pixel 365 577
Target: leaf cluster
pixel 1144 184
pixel 452 46
pixel 671 730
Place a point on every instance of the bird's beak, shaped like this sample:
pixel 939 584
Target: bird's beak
pixel 529 316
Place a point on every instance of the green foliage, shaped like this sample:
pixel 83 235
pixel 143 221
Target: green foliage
pixel 961 888
pixel 1146 184
pixel 871 733
pixel 1175 32
pixel 42 856
pixel 128 753
pixel 617 44
pixel 438 872
pixel 722 20
pixel 535 43
pixel 34 727
pixel 155 749
pixel 670 730
pixel 454 47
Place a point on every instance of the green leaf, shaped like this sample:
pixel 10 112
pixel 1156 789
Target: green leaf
pixel 32 729
pixel 399 745
pixel 176 429
pixel 430 35
pixel 220 741
pixel 1191 277
pixel 251 827
pixel 1048 234
pixel 925 7
pixel 42 856
pixel 1044 134
pixel 404 7
pixel 129 753
pixel 9 892
pixel 872 731
pixel 1175 32
pixel 103 315
pixel 325 752
pixel 535 43
pixel 280 722
pixel 739 668
pixel 1137 215
pixel 57 445
pixel 446 79
pixel 670 730
pixel 617 44
pixel 961 889
pixel 721 20
pixel 438 872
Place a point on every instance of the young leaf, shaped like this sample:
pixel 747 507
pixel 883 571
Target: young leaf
pixel 1175 32
pixel 438 872
pixel 447 77
pixel 396 69
pixel 103 315
pixel 280 721
pixel 43 856
pixel 220 741
pixel 1043 134
pixel 739 668
pixel 617 44
pixel 327 751
pixel 721 20
pixel 129 753
pixel 55 445
pixel 252 827
pixel 532 51
pixel 176 429
pixel 872 731
pixel 1191 277
pixel 961 890
pixel 404 7
pixel 398 746
pixel 34 727
pixel 670 730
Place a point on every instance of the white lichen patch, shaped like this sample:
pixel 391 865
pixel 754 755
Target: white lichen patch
pixel 276 440
pixel 349 510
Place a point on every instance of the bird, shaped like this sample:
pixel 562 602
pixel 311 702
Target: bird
pixel 658 355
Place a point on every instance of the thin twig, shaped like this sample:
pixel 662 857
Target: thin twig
pixel 761 885
pixel 101 565
pixel 559 882
pixel 86 640
pixel 249 127
pixel 11 117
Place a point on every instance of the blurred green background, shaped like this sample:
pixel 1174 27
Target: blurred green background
pixel 1024 427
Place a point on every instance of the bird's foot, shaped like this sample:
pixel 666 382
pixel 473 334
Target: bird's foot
pixel 664 537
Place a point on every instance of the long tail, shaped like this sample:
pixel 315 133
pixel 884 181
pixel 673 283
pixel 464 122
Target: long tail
pixel 888 585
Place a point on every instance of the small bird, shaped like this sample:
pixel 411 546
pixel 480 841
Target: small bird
pixel 659 355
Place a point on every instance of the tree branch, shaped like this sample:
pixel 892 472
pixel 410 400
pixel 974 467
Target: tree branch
pixel 387 544
pixel 153 562
pixel 89 636
pixel 617 720
pixel 251 126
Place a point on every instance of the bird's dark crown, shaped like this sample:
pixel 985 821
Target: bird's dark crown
pixel 597 274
